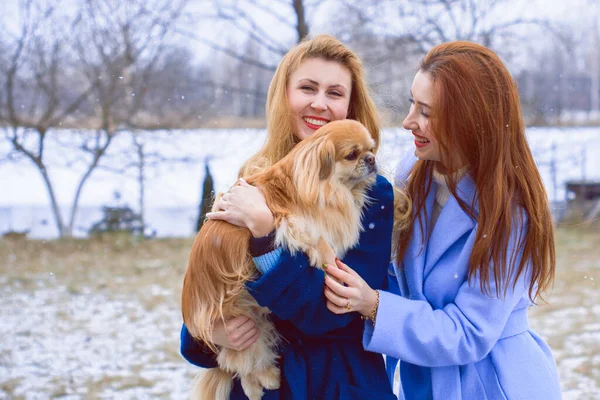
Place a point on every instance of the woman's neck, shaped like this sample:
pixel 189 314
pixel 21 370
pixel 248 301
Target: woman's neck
pixel 440 173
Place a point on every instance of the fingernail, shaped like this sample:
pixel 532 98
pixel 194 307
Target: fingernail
pixel 337 259
pixel 325 266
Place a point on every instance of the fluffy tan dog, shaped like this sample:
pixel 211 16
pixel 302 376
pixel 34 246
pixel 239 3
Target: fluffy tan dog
pixel 316 194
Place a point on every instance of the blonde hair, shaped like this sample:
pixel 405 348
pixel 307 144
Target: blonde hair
pixel 281 137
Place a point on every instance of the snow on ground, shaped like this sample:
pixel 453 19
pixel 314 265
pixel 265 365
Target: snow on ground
pixel 89 329
pixel 570 323
pixel 101 319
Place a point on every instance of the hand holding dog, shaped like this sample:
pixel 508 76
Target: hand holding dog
pixel 357 295
pixel 245 205
pixel 238 333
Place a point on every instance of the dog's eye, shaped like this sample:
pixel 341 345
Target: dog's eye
pixel 352 156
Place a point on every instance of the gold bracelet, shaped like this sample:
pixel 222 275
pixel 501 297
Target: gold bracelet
pixel 374 312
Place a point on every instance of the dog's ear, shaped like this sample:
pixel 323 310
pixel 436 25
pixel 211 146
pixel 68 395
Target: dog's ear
pixel 315 163
pixel 326 156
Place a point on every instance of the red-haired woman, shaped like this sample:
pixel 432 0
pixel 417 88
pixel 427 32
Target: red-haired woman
pixel 480 249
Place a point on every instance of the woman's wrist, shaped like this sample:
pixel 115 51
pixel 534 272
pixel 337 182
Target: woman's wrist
pixel 372 305
pixel 261 223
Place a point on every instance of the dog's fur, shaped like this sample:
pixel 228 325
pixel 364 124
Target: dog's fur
pixel 316 194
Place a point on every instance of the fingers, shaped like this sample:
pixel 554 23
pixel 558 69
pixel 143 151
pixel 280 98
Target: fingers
pixel 341 275
pixel 220 205
pixel 335 308
pixel 245 187
pixel 345 268
pixel 219 215
pixel 251 340
pixel 337 288
pixel 334 298
pixel 238 324
pixel 243 182
pixel 245 341
pixel 242 332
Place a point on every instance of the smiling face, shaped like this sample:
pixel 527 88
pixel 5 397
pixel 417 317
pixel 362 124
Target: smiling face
pixel 418 118
pixel 318 92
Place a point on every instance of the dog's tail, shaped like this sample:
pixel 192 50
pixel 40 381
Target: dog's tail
pixel 212 384
pixel 219 265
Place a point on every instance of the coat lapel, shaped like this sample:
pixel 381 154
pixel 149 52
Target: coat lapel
pixel 451 225
pixel 414 260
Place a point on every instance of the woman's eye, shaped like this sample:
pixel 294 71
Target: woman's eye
pixel 412 103
pixel 336 94
pixel 307 88
pixel 352 156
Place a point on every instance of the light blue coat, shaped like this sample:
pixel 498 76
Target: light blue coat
pixel 455 342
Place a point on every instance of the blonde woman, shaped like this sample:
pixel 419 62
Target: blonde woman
pixel 321 356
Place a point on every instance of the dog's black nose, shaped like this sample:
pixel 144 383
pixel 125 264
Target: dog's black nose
pixel 370 159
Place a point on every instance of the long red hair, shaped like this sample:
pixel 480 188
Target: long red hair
pixel 477 121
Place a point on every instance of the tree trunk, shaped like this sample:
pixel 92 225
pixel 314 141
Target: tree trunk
pixel 75 206
pixel 63 231
pixel 302 27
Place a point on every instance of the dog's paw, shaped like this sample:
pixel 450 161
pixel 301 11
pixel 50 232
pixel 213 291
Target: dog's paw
pixel 270 378
pixel 252 387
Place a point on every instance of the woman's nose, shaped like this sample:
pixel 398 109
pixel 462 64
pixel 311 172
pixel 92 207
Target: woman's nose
pixel 319 103
pixel 409 122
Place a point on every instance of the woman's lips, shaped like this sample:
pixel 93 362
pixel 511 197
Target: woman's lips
pixel 314 122
pixel 420 141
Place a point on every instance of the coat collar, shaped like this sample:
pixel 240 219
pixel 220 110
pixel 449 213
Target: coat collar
pixel 452 222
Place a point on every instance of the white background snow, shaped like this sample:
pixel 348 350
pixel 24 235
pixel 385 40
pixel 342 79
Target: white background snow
pixel 173 189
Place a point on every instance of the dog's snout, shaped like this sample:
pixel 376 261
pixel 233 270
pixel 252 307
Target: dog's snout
pixel 370 159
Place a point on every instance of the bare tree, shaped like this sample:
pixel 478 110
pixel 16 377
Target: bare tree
pixel 105 72
pixel 35 91
pixel 430 22
pixel 263 22
pixel 119 46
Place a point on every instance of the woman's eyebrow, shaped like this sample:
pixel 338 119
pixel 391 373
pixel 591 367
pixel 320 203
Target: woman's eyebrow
pixel 338 85
pixel 420 102
pixel 309 80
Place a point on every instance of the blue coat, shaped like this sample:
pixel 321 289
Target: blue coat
pixel 322 355
pixel 454 341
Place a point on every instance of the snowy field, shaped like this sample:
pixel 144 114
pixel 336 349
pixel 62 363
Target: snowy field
pixel 100 319
pixel 172 189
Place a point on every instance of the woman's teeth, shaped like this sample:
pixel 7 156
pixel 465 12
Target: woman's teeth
pixel 421 140
pixel 312 121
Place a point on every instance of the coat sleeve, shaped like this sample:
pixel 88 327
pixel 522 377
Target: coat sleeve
pixel 293 290
pixel 462 332
pixel 195 352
